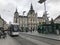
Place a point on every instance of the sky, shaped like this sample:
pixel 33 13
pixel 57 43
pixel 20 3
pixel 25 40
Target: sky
pixel 8 7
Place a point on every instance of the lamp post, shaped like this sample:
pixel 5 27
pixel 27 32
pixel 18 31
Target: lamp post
pixel 41 1
pixel 45 6
pixel 45 12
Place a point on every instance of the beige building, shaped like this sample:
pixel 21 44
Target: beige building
pixel 31 20
pixel 3 23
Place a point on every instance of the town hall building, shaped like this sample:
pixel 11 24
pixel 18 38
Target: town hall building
pixel 31 21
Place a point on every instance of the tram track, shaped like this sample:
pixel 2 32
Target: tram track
pixel 23 41
pixel 46 40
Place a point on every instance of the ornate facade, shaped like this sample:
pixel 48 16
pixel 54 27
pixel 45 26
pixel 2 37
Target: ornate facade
pixel 31 20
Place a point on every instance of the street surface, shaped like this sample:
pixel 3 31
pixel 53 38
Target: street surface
pixel 15 41
pixel 45 40
pixel 25 39
pixel 8 41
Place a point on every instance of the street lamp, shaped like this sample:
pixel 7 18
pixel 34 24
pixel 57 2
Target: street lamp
pixel 45 12
pixel 41 1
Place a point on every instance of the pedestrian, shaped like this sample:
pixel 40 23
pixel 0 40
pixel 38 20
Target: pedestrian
pixel 4 34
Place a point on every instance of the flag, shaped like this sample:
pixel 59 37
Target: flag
pixel 41 1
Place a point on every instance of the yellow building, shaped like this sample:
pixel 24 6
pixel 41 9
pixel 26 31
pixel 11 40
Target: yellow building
pixel 31 20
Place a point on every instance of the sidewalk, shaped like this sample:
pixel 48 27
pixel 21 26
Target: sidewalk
pixel 8 41
pixel 50 36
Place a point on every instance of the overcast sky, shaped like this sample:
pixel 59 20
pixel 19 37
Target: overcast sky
pixel 8 7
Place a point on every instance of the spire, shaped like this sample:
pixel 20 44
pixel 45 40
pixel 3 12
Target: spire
pixel 16 11
pixel 31 8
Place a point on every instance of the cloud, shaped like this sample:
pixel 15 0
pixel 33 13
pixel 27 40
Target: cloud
pixel 53 8
pixel 7 8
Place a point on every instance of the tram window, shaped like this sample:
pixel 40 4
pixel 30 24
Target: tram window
pixel 15 28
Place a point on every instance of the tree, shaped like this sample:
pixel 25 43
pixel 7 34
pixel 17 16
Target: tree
pixel 39 29
pixel 52 21
pixel 52 25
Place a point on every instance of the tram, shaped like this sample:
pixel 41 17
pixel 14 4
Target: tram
pixel 13 29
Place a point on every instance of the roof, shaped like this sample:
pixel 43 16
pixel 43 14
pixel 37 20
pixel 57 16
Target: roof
pixel 40 17
pixel 31 9
pixel 57 17
pixel 26 17
pixel 3 20
pixel 50 24
pixel 23 16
